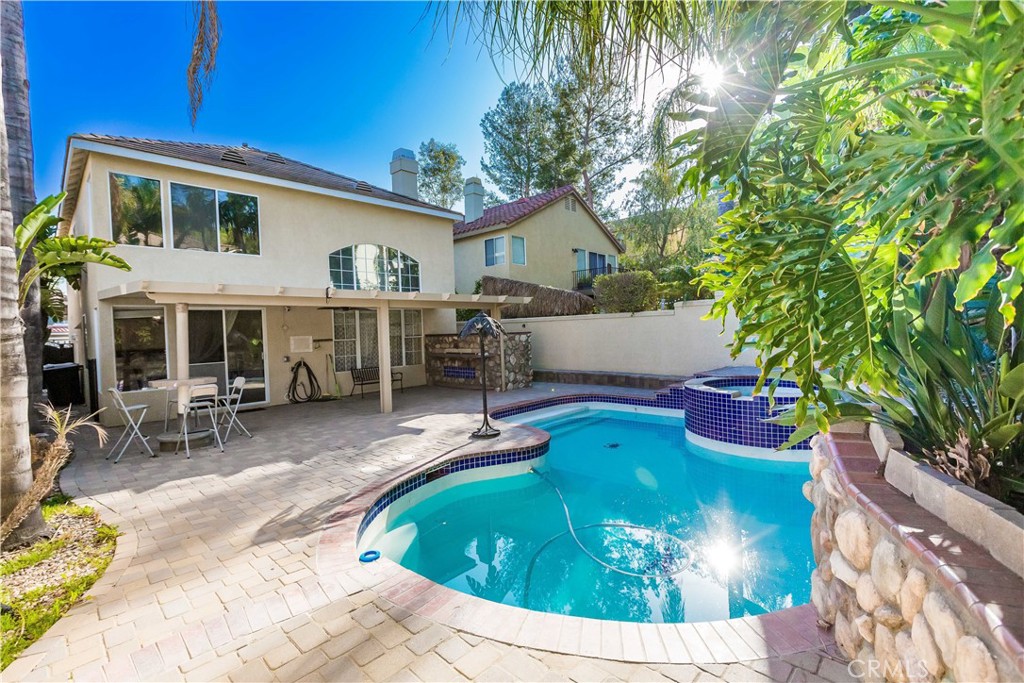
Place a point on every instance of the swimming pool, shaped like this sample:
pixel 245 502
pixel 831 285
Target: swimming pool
pixel 662 530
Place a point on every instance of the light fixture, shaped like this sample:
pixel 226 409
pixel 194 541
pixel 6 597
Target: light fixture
pixel 483 326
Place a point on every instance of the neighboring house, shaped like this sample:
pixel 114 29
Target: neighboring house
pixel 552 239
pixel 244 261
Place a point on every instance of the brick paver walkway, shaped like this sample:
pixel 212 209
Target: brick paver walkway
pixel 216 576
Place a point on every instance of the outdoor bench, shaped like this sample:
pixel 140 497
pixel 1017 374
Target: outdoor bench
pixel 363 376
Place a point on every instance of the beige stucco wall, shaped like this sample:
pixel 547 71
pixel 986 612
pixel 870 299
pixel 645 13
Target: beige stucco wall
pixel 297 230
pixel 672 342
pixel 551 235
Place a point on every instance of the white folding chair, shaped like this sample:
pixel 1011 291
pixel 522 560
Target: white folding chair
pixel 200 397
pixel 230 405
pixel 133 416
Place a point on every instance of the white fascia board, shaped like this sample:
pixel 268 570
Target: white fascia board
pixel 114 150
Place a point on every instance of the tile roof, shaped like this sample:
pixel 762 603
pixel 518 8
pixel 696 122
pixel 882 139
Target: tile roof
pixel 507 214
pixel 513 212
pixel 255 161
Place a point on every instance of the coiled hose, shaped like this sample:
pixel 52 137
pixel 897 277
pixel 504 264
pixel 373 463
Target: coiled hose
pixel 682 567
pixel 300 392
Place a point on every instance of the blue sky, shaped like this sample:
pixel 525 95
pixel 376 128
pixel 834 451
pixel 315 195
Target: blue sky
pixel 337 85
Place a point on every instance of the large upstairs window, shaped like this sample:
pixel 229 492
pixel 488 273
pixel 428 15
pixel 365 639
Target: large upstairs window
pixel 214 220
pixel 135 211
pixel 374 266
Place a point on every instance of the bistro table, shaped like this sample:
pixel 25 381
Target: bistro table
pixel 182 386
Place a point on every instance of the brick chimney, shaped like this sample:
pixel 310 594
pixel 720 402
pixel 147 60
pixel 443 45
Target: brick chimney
pixel 404 172
pixel 474 199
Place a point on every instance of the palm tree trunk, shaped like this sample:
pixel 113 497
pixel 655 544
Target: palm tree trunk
pixel 20 168
pixel 15 451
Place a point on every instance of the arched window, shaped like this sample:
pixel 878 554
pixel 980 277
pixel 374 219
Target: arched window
pixel 374 266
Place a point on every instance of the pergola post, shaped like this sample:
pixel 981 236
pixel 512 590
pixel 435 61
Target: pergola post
pixel 181 340
pixel 384 354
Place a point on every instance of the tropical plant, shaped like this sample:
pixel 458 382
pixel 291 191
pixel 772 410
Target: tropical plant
pixel 57 454
pixel 867 151
pixel 626 292
pixel 20 162
pixel 55 257
pixel 58 257
pixel 955 403
pixel 440 177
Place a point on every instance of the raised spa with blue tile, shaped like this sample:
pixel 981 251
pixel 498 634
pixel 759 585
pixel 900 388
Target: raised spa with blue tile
pixel 623 518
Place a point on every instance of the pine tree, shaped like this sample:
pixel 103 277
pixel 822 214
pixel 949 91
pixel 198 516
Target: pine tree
pixel 596 131
pixel 440 178
pixel 517 139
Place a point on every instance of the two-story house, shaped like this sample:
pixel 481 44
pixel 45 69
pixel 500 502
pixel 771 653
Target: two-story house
pixel 244 261
pixel 552 239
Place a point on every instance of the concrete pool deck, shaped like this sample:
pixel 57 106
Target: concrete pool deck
pixel 218 575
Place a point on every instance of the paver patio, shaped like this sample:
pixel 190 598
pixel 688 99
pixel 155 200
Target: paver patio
pixel 216 574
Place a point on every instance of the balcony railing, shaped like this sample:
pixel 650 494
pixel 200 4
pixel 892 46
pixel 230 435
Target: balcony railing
pixel 584 279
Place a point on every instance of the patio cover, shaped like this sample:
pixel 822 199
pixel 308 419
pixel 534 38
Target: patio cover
pixel 183 294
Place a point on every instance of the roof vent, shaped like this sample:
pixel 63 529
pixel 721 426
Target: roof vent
pixel 233 155
pixel 275 157
pixel 364 186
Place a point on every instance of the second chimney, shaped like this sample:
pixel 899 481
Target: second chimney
pixel 474 199
pixel 404 172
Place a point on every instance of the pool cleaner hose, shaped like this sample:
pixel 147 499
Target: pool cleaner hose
pixel 684 564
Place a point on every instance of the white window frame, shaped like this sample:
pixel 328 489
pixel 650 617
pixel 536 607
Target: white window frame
pixel 266 356
pixel 512 251
pixel 358 339
pixel 164 202
pixel 340 284
pixel 496 252
pixel 216 207
pixel 113 337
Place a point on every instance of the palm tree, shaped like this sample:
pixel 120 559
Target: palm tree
pixel 16 455
pixel 20 165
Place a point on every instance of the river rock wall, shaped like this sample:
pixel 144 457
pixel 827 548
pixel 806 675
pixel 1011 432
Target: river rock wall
pixel 894 615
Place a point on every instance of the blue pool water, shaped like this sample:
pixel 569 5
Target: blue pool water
pixel 728 536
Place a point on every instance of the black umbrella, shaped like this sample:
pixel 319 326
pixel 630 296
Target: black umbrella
pixel 483 326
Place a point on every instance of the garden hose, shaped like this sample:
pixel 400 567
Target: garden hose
pixel 303 392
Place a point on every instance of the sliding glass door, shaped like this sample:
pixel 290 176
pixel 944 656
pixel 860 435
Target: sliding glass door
pixel 228 343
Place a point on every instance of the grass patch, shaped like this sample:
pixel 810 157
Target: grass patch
pixel 40 595
pixel 43 550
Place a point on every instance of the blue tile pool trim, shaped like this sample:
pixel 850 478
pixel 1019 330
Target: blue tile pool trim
pixel 469 462
pixel 720 416
pixel 458 372
pixel 672 398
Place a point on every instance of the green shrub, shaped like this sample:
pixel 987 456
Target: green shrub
pixel 626 292
pixel 675 283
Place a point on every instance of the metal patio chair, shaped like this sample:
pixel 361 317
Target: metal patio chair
pixel 230 405
pixel 132 415
pixel 201 397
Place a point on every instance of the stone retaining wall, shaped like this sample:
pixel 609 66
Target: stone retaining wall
pixel 455 362
pixel 910 598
